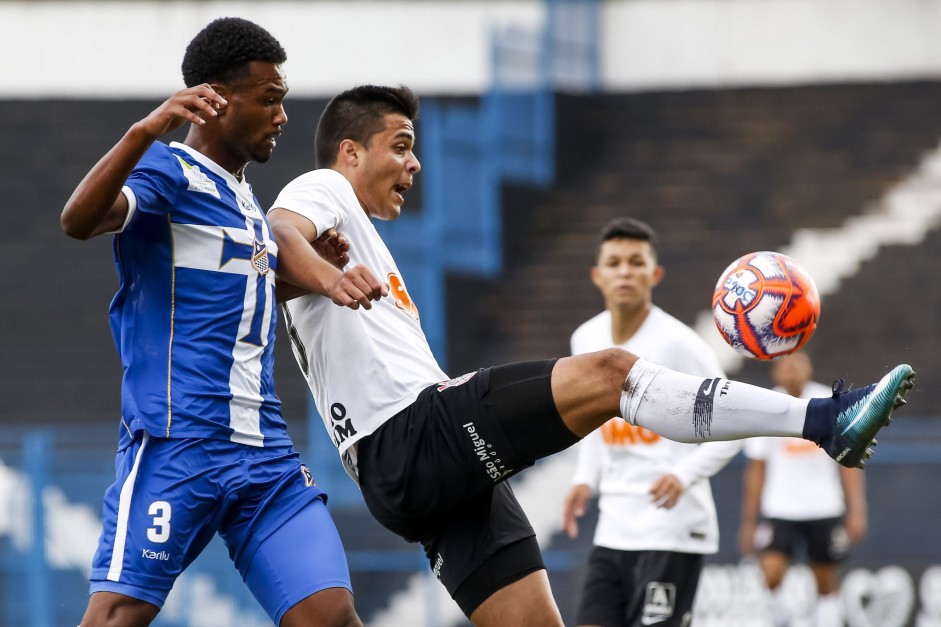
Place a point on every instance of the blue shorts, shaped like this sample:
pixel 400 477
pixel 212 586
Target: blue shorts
pixel 171 496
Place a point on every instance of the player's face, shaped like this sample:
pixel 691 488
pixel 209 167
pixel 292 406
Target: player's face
pixel 254 114
pixel 386 168
pixel 626 273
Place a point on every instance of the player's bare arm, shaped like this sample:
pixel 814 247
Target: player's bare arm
pixel 332 246
pixel 300 264
pixel 854 494
pixel 574 507
pixel 752 483
pixel 97 205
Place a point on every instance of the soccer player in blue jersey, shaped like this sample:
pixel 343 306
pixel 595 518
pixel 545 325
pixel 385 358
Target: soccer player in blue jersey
pixel 203 447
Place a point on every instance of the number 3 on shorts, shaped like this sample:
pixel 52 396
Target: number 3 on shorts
pixel 161 512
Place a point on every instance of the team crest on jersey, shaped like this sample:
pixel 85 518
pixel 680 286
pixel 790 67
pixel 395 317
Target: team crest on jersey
pixel 198 181
pixel 260 257
pixel 464 378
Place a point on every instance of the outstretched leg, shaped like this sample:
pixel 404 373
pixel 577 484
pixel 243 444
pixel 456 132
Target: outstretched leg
pixel 591 388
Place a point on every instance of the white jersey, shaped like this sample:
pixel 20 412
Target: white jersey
pixel 362 366
pixel 802 482
pixel 620 461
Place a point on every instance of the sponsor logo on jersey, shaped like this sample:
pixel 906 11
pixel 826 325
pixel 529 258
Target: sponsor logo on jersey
pixel 150 554
pixel 342 426
pixel 248 208
pixel 436 569
pixel 451 383
pixel 485 452
pixel 198 181
pixel 658 603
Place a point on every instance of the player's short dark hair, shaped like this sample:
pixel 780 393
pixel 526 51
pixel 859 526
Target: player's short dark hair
pixel 223 49
pixel 358 114
pixel 629 228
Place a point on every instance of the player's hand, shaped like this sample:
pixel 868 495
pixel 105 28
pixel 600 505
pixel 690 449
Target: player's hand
pixel 333 247
pixel 574 508
pixel 856 526
pixel 193 104
pixel 666 491
pixel 356 288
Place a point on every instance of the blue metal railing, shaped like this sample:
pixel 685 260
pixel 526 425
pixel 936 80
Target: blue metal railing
pixel 36 592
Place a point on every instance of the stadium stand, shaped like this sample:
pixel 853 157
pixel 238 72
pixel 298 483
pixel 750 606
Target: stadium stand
pixel 719 173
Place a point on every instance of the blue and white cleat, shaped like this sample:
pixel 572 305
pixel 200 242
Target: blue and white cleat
pixel 861 413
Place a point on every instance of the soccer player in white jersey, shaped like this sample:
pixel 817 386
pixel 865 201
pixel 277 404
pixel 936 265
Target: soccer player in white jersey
pixel 431 453
pixel 657 517
pixel 796 499
pixel 203 447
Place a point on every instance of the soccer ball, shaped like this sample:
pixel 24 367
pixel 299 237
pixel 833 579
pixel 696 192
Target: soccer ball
pixel 765 306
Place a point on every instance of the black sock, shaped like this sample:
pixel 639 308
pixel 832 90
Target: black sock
pixel 818 424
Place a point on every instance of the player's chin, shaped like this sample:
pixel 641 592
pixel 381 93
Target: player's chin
pixel 262 157
pixel 263 154
pixel 391 211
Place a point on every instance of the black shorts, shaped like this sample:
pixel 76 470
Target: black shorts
pixel 637 588
pixel 824 540
pixel 435 474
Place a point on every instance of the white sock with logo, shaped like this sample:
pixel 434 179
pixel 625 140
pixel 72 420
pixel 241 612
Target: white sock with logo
pixel 687 408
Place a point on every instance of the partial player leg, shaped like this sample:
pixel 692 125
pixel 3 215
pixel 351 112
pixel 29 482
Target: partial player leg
pixel 286 546
pixel 330 607
pixel 687 408
pixel 526 602
pixel 589 389
pixel 107 609
pixel 304 559
pixel 844 425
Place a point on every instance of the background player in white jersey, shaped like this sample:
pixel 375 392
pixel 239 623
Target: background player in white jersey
pixel 430 453
pixel 203 447
pixel 657 517
pixel 806 502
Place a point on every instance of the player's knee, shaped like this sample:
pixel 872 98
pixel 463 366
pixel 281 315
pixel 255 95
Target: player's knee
pixel 345 617
pixel 112 610
pixel 329 608
pixel 615 362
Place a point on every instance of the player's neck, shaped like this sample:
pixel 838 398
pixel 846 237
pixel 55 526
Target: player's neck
pixel 625 321
pixel 208 146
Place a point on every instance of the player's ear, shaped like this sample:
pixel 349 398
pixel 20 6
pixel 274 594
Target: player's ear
pixel 221 89
pixel 658 273
pixel 348 152
pixel 595 276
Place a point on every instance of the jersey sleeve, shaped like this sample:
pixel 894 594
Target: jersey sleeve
pixel 590 455
pixel 758 448
pixel 706 460
pixel 155 182
pixel 318 198
pixel 693 356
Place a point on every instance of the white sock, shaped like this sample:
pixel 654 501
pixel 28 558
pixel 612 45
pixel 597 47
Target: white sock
pixel 828 612
pixel 687 408
pixel 778 608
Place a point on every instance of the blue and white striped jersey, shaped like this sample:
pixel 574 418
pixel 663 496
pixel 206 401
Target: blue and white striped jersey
pixel 193 318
